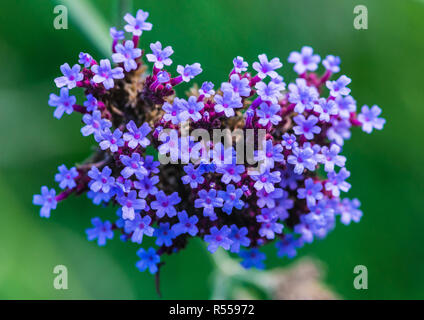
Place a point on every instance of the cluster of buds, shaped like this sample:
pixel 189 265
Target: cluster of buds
pixel 173 186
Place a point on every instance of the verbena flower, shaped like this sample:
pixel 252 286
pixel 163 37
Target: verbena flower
pixel 289 193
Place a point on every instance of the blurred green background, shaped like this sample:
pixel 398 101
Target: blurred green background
pixel 385 63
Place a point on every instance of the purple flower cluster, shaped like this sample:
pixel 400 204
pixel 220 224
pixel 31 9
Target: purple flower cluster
pixel 237 206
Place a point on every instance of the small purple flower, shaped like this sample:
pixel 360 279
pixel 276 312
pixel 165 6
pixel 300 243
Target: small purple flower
pixel 165 204
pixel 160 57
pixel 326 108
pixel 175 112
pixel 305 60
pixel 104 73
pixel 189 71
pixel 111 140
pixel 350 211
pixel 239 238
pixel 336 182
pixel 288 245
pixel 269 92
pixel 208 200
pixel 101 231
pixel 306 127
pixel 289 178
pixel 94 124
pixel 270 228
pixel 370 120
pixel 268 199
pixel 338 87
pixel 101 180
pixel 138 227
pixel 217 238
pixel 193 177
pixel 164 235
pixel 163 77
pixel 268 114
pixel 127 54
pixel 301 159
pixel 116 34
pixel 346 105
pixel 230 172
pixel 146 186
pixel 47 201
pixel 186 224
pixel 137 136
pixel 133 165
pixel 66 178
pixel 265 67
pixel 270 153
pixel 330 157
pixel 302 95
pixel 265 179
pixel 63 103
pixel 192 109
pixel 240 65
pixel 149 259
pixel 85 59
pixel 252 258
pixel 289 141
pixel 232 198
pixel 151 165
pixel 311 192
pixel 241 86
pixel 332 63
pixel 137 24
pixel 207 89
pixel 227 103
pixel 130 203
pixel 70 76
pixel 91 103
pixel 339 131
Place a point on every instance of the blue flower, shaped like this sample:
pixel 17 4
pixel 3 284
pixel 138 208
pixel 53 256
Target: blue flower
pixel 189 71
pixel 85 59
pixel 269 226
pixel 175 111
pixel 133 165
pixel 160 57
pixel 111 140
pixel 66 178
pixel 149 259
pixel 289 141
pixel 63 103
pixel 239 238
pixel 231 198
pixel 165 204
pixel 164 235
pixel 192 108
pixel 289 178
pixel 265 67
pixel 193 177
pixel 330 157
pixel 230 172
pixel 252 258
pixel 268 199
pixel 345 105
pixel 147 186
pixel 326 108
pixel 307 127
pixel 336 182
pixel 137 24
pixel 270 92
pixel 130 203
pixel 302 95
pixel 332 63
pixel 138 227
pixel 101 180
pixel 311 192
pixel 207 89
pixel 94 124
pixel 305 60
pixel 338 87
pixel 217 238
pixel 137 136
pixel 349 211
pixel 301 159
pixel 208 200
pixel 270 153
pixel 370 120
pixel 70 76
pixel 186 224
pixel 240 65
pixel 163 77
pixel 116 34
pixel 101 231
pixel 265 179
pixel 241 86
pixel 226 103
pixel 151 165
pixel 268 114
pixel 47 201
pixel 126 54
pixel 288 245
pixel 91 103
pixel 104 73
pixel 98 197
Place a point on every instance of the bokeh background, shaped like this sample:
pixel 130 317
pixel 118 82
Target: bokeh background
pixel 385 63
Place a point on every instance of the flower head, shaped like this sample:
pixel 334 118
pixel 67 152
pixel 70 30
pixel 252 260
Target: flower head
pixel 305 60
pixel 370 120
pixel 70 76
pixel 126 54
pixel 47 201
pixel 63 103
pixel 159 56
pixel 137 24
pixel 101 231
pixel 66 178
